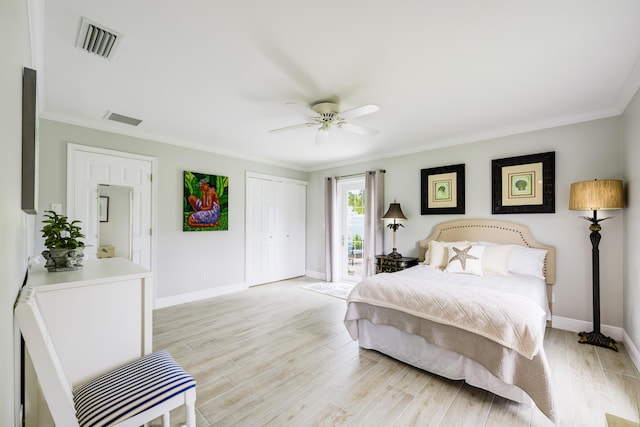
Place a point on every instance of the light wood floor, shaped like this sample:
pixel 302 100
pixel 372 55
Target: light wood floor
pixel 279 355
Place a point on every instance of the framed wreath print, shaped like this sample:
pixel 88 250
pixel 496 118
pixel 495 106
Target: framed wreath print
pixel 523 184
pixel 442 190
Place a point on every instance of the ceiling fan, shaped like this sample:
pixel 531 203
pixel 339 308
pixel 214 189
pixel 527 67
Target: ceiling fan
pixel 326 115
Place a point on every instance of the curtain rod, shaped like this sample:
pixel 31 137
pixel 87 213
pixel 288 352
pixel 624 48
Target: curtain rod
pixel 357 174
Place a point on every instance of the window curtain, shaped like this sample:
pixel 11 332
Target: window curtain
pixel 330 201
pixel 373 224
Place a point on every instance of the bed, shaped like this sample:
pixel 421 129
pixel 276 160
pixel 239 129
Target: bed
pixel 475 308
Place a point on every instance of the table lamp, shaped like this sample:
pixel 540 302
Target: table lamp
pixel 395 213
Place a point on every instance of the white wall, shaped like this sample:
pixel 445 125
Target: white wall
pixel 16 226
pixel 182 257
pixel 583 151
pixel 632 224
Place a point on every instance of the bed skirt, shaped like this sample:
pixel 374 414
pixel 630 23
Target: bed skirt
pixel 418 352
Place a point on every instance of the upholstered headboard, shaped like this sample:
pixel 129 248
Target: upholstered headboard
pixel 489 230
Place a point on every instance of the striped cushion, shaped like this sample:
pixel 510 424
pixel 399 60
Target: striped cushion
pixel 130 390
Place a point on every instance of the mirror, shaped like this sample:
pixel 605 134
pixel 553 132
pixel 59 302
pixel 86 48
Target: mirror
pixel 114 221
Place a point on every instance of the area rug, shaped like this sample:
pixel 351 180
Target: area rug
pixel 339 290
pixel 613 421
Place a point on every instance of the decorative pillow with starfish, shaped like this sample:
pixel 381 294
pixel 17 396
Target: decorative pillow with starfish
pixel 465 259
pixel 438 254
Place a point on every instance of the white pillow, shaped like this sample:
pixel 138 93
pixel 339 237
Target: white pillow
pixel 524 260
pixel 465 259
pixel 438 254
pixel 495 259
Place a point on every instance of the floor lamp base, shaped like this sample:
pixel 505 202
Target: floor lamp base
pixel 596 338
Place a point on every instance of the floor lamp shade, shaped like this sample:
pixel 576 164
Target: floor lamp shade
pixel 594 196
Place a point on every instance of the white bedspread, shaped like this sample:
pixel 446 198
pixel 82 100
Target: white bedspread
pixel 489 306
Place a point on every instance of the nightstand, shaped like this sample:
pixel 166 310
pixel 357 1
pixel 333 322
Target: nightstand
pixel 385 264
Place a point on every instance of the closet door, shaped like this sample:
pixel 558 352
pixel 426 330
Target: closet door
pixel 262 264
pixel 293 226
pixel 275 229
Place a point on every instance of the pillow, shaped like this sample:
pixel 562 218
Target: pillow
pixel 438 253
pixel 495 259
pixel 465 259
pixel 524 260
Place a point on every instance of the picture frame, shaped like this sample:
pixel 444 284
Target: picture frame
pixel 442 190
pixel 205 202
pixel 103 209
pixel 523 184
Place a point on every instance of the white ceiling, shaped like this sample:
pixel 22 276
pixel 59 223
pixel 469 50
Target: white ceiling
pixel 216 75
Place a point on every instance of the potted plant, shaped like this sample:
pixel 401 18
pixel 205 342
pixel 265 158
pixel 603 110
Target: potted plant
pixel 61 238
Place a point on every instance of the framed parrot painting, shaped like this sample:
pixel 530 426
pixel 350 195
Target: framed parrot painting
pixel 206 202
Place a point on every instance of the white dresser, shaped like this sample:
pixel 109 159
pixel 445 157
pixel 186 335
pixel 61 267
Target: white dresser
pixel 100 316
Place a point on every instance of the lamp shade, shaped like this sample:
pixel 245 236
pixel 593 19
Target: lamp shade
pixel 596 195
pixel 394 212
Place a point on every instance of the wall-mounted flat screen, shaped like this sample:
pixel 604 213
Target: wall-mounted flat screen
pixel 29 142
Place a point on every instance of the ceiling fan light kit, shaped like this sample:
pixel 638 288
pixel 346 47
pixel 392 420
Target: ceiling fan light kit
pixel 322 135
pixel 326 115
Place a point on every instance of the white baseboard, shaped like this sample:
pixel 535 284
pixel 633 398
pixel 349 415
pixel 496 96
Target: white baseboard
pixel 574 325
pixel 632 350
pixel 315 275
pixel 20 421
pixel 198 295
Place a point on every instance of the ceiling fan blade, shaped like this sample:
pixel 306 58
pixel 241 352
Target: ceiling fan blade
pixel 350 127
pixel 284 129
pixel 359 111
pixel 322 136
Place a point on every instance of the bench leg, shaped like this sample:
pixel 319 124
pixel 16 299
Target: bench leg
pixel 166 420
pixel 190 414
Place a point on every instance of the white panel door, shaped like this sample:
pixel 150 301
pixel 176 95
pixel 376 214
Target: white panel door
pixel 93 169
pixel 263 239
pixel 293 226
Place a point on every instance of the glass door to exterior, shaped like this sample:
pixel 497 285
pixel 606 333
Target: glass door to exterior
pixel 351 239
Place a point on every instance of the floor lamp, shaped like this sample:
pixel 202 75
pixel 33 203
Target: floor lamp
pixel 394 213
pixel 596 195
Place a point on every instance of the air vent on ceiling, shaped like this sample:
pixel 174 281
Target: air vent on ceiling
pixel 97 39
pixel 122 119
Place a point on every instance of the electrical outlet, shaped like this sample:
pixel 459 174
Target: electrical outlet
pixel 56 207
pixel 203 277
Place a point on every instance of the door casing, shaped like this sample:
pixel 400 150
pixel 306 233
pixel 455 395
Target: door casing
pixel 79 191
